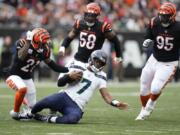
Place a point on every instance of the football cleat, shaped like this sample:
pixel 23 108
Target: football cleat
pixel 42 118
pixel 25 115
pixel 144 114
pixel 14 115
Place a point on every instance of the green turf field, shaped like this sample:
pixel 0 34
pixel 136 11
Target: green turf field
pixel 100 118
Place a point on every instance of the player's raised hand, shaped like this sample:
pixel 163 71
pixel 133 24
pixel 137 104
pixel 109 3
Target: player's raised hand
pixel 62 51
pixel 118 60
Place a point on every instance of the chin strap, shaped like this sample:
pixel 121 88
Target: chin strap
pixel 90 24
pixel 165 24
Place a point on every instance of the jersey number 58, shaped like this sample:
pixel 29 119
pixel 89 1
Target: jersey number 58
pixel 87 40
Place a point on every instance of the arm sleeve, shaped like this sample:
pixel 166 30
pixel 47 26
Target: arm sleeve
pixel 75 30
pixel 66 42
pixel 57 68
pixel 117 47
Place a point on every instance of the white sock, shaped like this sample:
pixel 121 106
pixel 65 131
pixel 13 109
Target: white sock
pixel 150 105
pixel 53 119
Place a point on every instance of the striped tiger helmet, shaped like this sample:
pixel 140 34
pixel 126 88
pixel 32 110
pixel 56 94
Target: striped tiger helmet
pixel 91 12
pixel 167 13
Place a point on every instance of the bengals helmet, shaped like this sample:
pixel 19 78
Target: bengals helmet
pixel 167 13
pixel 91 12
pixel 40 37
pixel 97 60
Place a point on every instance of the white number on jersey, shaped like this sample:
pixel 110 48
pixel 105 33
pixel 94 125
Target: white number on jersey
pixel 164 43
pixel 31 64
pixel 87 40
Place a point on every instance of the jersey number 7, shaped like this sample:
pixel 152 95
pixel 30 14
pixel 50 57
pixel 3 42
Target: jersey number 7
pixel 87 84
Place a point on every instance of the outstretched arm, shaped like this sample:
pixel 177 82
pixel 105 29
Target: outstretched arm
pixel 109 99
pixel 56 67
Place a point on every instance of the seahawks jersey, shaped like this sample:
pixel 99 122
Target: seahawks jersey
pixel 166 40
pixel 90 38
pixel 81 92
pixel 24 68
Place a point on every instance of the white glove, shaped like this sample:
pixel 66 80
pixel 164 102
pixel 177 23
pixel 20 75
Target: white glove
pixel 62 50
pixel 147 43
pixel 118 59
pixel 29 35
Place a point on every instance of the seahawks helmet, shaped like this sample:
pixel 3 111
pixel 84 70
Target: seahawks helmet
pixel 97 60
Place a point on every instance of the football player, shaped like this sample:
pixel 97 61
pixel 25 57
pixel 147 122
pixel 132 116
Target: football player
pixel 30 52
pixel 81 86
pixel 91 34
pixel 163 34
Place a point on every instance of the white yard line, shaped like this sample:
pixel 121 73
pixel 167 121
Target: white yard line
pixel 59 133
pixel 147 131
pixel 110 84
pixel 6 96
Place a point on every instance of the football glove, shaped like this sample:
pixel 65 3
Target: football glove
pixel 119 105
pixel 118 59
pixel 62 51
pixel 147 43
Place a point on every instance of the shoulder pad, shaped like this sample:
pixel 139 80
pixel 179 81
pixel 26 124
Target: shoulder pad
pixel 77 24
pixel 106 27
pixel 101 75
pixel 153 22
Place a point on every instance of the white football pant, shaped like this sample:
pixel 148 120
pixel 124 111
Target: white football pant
pixel 22 83
pixel 155 75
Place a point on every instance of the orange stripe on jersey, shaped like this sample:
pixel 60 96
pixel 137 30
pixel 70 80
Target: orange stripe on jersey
pixel 77 23
pixel 48 51
pixel 152 22
pixel 108 26
pixel 103 27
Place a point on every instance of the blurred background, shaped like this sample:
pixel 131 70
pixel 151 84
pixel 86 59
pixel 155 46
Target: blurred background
pixel 129 19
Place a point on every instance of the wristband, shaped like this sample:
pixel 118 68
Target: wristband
pixel 114 102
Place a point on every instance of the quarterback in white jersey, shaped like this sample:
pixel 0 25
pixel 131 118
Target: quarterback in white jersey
pixel 82 92
pixel 81 85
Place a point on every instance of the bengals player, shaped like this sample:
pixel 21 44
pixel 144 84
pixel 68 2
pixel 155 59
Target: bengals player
pixel 30 52
pixel 91 33
pixel 163 34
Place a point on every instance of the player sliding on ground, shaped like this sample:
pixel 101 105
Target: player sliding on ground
pixel 81 86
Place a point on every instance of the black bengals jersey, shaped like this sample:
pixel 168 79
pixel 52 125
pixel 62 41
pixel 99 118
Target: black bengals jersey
pixel 166 40
pixel 90 38
pixel 25 68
